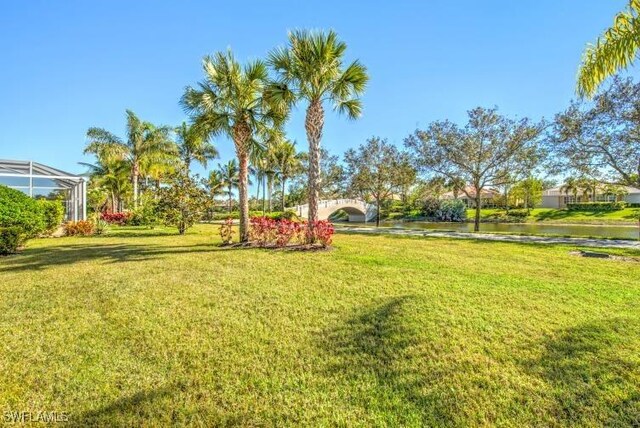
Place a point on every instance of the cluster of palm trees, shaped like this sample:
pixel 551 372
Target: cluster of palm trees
pixel 587 189
pixel 146 155
pixel 249 104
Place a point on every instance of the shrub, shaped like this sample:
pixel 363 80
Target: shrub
pixel 430 207
pixel 226 231
pixel 19 210
pixel 78 228
pixel 10 239
pixel 451 210
pixel 519 213
pixel 53 213
pixel 100 226
pixel 267 231
pixel 119 219
pixel 182 203
pixel 596 206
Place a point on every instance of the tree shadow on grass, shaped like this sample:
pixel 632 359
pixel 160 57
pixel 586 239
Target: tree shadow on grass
pixel 41 258
pixel 594 373
pixel 375 345
pixel 129 410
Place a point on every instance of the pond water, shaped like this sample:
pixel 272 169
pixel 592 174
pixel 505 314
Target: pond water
pixel 598 231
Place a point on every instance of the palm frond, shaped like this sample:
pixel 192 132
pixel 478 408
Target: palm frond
pixel 615 50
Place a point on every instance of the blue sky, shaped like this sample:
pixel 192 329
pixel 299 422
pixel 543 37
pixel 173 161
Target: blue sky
pixel 75 64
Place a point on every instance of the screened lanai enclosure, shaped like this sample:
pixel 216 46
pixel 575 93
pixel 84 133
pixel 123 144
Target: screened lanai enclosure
pixel 42 181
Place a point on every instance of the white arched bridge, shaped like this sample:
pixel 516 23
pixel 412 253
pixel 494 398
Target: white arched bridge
pixel 357 209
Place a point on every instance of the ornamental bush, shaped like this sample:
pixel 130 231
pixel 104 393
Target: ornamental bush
pixel 19 210
pixel 453 210
pixel 10 239
pixel 79 228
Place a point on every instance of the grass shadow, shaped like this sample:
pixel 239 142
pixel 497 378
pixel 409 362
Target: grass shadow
pixel 592 377
pixel 127 411
pixel 41 258
pixel 373 347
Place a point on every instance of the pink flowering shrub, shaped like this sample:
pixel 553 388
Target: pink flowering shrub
pixel 267 231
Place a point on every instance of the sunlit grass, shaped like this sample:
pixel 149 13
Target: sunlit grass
pixel 147 327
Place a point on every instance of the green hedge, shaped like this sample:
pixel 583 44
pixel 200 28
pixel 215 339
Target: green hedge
pixel 596 206
pixel 10 238
pixel 19 210
pixel 53 212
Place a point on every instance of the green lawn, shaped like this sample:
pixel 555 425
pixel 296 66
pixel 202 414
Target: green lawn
pixel 149 328
pixel 627 215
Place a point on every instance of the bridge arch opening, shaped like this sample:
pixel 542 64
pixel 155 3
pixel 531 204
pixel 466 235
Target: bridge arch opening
pixel 351 214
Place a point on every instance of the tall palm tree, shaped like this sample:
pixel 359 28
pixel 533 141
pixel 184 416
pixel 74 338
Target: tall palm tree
pixel 230 101
pixel 614 50
pixel 229 174
pixel 194 146
pixel 310 68
pixel 287 164
pixel 144 145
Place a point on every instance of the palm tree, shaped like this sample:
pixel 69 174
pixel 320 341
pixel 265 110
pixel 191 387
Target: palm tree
pixel 310 68
pixel 287 164
pixel 145 145
pixel 215 184
pixel 614 50
pixel 230 177
pixel 113 177
pixel 194 146
pixel 230 101
pixel 571 185
pixel 456 185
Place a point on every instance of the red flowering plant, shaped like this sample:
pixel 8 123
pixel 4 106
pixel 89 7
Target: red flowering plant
pixel 262 230
pixel 267 231
pixel 119 219
pixel 324 231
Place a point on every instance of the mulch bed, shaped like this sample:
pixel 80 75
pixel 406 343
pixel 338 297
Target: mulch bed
pixel 290 247
pixel 597 255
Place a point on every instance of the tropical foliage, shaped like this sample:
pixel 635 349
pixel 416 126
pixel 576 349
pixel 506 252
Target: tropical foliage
pixel 614 50
pixel 229 101
pixel 310 69
pixel 146 151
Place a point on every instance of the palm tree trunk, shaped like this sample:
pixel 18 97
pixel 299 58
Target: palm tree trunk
pixel 314 122
pixel 283 199
pixel 270 190
pixel 113 202
pixel 264 200
pixel 241 137
pixel 134 179
pixel 243 196
pixel 230 200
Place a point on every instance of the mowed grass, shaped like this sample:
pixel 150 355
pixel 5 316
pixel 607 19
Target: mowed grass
pixel 147 328
pixel 623 216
